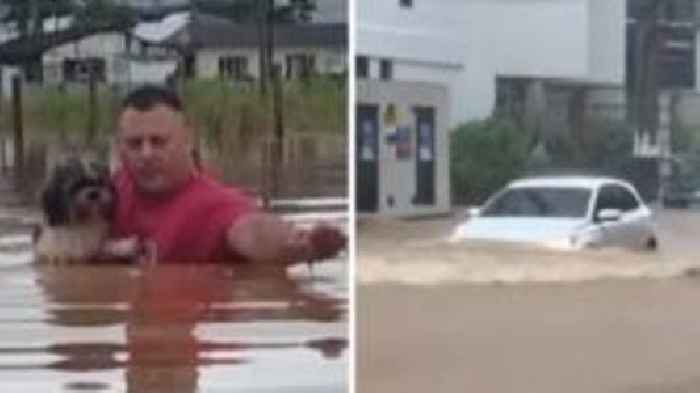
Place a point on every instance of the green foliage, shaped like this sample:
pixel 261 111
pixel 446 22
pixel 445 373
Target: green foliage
pixel 227 118
pixel 602 145
pixel 316 104
pixel 60 116
pixel 484 156
pixel 685 140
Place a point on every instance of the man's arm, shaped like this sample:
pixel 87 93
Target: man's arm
pixel 263 237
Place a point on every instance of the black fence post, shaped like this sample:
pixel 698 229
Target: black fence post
pixel 92 109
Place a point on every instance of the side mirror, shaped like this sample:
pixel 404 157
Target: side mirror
pixel 608 215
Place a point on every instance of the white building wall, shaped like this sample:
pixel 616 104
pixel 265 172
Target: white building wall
pixel 140 72
pixel 468 43
pixel 327 60
pixel 697 60
pixel 208 61
pixel 397 178
pixel 607 41
pixel 8 73
pixel 107 46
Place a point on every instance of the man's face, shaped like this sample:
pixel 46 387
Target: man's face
pixel 154 146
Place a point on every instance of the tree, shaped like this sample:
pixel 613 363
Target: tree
pixel 247 11
pixel 32 41
pixel 484 156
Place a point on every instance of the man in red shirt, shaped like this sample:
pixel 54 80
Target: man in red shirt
pixel 165 200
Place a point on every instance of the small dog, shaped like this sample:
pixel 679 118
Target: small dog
pixel 78 203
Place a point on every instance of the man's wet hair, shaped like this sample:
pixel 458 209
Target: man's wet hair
pixel 145 98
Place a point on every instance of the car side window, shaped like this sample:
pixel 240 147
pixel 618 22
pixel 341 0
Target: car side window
pixel 616 197
pixel 628 201
pixel 607 199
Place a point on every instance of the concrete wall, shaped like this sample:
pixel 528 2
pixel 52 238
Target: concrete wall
pixel 582 40
pixel 397 178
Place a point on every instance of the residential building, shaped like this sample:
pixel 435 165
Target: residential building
pixel 478 47
pixel 530 58
pixel 206 46
pixel 216 47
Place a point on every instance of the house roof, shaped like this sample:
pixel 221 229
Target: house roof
pixel 187 30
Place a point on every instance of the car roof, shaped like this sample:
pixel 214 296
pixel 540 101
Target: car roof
pixel 565 181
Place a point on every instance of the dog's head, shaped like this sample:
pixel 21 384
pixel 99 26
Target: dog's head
pixel 78 191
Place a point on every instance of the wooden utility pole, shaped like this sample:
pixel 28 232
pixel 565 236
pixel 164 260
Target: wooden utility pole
pixel 263 32
pixel 278 151
pixel 275 75
pixel 18 126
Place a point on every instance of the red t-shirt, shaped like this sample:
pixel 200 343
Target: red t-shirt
pixel 187 226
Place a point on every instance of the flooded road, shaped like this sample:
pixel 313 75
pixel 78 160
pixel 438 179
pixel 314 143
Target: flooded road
pixel 167 328
pixel 435 317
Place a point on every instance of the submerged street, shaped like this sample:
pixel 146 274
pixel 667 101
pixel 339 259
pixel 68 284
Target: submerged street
pixel 526 320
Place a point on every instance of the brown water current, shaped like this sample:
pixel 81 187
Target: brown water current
pixel 417 253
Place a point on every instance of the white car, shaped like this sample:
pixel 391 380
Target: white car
pixel 564 212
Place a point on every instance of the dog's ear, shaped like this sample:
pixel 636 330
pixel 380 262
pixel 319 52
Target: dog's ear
pixel 55 204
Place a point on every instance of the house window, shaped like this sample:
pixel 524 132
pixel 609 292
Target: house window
pixel 386 69
pixel 406 3
pixel 362 66
pixel 78 70
pixel 300 66
pixel 233 67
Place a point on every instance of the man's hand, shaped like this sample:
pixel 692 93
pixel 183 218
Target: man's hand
pixel 128 249
pixel 326 241
pixel 266 238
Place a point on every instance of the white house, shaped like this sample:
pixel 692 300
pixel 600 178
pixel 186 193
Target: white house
pixel 113 58
pixel 216 47
pixel 206 46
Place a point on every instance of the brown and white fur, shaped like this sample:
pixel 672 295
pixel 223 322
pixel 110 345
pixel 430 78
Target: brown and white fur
pixel 78 203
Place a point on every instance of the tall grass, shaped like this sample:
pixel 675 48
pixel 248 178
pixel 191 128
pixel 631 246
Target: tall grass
pixel 234 122
pixel 220 110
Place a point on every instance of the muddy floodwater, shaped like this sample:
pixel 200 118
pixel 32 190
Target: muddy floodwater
pixel 417 253
pixel 511 319
pixel 167 328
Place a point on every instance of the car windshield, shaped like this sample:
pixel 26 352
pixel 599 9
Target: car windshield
pixel 539 202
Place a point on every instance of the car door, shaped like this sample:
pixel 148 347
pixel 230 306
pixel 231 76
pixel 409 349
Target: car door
pixel 627 230
pixel 611 230
pixel 635 216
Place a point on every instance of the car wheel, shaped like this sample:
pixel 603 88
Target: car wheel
pixel 651 244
